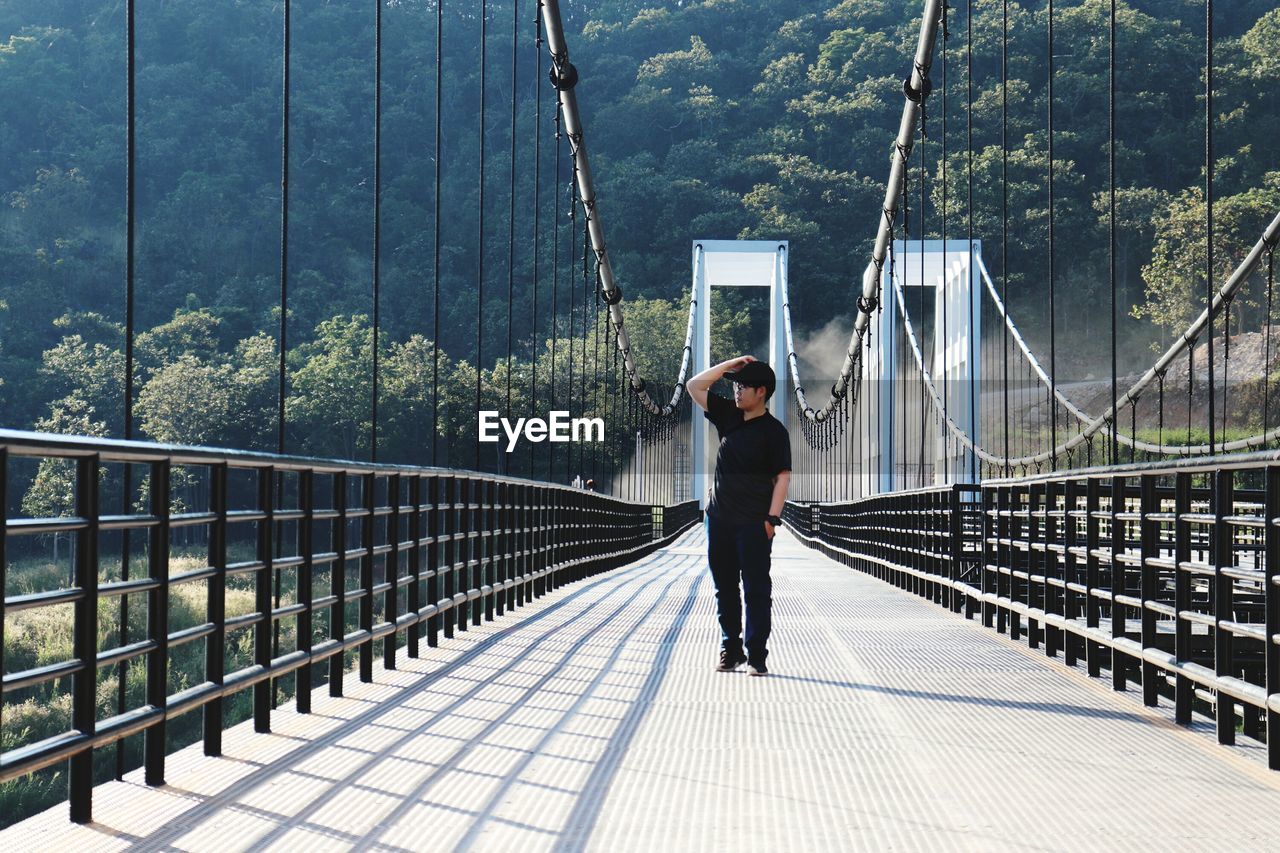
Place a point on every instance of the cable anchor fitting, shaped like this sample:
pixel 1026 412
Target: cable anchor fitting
pixel 914 95
pixel 564 74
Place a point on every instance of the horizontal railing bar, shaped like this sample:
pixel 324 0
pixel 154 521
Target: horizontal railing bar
pixel 39 675
pixel 192 519
pixel 123 653
pixel 43 599
pixel 129 587
pixel 38 526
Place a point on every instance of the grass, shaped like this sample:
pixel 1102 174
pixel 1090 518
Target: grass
pixel 39 636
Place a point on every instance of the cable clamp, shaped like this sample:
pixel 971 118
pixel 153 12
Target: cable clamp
pixel 917 96
pixel 564 74
pixel 868 304
pixel 611 297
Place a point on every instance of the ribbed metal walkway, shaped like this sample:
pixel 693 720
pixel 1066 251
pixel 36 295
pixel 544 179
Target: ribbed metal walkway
pixel 593 719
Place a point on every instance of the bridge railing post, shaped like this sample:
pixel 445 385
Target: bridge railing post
pixel 1021 562
pixel 391 570
pixel 1221 554
pixel 338 583
pixel 955 548
pixel 491 544
pixel 262 598
pixel 1149 505
pixel 1071 603
pixel 449 514
pixel 1118 547
pixel 1272 604
pixel 1004 556
pixel 415 559
pixel 468 562
pixel 85 637
pixel 435 552
pixel 1092 609
pixel 216 604
pixel 367 546
pixel 525 538
pixel 306 587
pixel 502 547
pixel 1052 565
pixel 1183 686
pixel 158 623
pixel 1036 560
pixel 941 527
pixel 990 553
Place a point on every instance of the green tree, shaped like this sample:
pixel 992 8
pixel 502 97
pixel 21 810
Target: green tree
pixel 331 381
pixel 1175 278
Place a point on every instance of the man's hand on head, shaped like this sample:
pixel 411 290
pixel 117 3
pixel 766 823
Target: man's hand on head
pixel 700 385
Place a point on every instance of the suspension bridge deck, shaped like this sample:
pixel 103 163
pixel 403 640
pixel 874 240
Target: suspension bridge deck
pixel 593 719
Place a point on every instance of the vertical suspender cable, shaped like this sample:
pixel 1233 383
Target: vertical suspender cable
pixel 595 381
pixel 974 414
pixel 435 262
pixel 505 458
pixel 615 453
pixel 946 339
pixel 1053 317
pixel 1266 358
pixel 573 301
pixel 1208 197
pixel 1111 216
pixel 284 297
pixel 377 217
pixel 484 20
pixel 130 221
pixel 582 390
pixel 282 378
pixel 555 289
pixel 923 394
pixel 1004 212
pixel 536 354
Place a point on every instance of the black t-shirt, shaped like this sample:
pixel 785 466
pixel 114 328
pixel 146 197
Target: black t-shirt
pixel 751 454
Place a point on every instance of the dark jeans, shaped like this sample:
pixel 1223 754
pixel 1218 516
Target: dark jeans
pixel 741 551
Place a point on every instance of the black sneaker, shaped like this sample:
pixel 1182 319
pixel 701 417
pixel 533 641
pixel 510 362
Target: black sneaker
pixel 729 661
pixel 757 669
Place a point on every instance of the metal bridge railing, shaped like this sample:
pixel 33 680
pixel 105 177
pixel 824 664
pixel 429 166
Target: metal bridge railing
pixel 373 552
pixel 1165 574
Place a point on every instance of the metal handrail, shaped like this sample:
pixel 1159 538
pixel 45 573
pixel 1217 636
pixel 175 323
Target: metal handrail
pixel 1138 569
pixel 455 547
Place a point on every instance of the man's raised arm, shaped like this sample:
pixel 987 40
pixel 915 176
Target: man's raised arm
pixel 701 384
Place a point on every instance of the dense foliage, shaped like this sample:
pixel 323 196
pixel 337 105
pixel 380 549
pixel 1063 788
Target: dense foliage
pixel 725 118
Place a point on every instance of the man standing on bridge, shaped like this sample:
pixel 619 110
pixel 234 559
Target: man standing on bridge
pixel 753 470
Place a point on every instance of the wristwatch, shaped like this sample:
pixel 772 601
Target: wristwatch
pixel 775 520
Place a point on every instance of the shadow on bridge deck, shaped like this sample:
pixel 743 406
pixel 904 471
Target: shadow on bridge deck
pixel 593 719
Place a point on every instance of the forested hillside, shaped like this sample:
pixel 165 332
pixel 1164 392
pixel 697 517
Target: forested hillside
pixel 724 118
